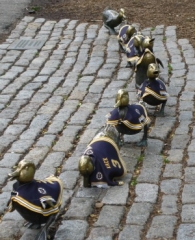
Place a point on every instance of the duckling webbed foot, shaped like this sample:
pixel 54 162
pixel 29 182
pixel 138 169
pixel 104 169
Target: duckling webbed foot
pixel 142 143
pixel 130 65
pixel 122 50
pixel 121 141
pixel 32 225
pixel 111 30
pixel 43 234
pixel 159 114
pixel 120 183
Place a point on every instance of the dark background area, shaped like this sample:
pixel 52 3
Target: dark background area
pixel 147 13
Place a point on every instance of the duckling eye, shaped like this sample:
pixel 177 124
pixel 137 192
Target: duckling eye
pixel 26 167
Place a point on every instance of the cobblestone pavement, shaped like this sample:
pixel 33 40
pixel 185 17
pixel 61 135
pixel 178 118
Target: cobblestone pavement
pixel 52 102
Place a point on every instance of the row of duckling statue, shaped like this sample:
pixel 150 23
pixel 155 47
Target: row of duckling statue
pixel 140 57
pixel 139 52
pixel 137 47
pixel 101 165
pixel 39 201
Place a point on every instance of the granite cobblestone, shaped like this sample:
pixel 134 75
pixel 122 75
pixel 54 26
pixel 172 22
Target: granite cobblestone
pixel 54 100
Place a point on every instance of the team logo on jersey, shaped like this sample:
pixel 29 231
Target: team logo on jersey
pixel 124 37
pixel 89 151
pixel 99 175
pixel 42 190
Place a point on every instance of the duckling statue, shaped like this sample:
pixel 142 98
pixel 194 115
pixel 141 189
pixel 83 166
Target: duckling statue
pixel 153 90
pixel 36 201
pixel 125 34
pixel 122 98
pixel 101 165
pixel 142 42
pixel 112 19
pixel 141 66
pixel 128 118
pixel 136 47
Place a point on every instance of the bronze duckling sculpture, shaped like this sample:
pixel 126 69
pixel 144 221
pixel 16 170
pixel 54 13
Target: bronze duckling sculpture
pixel 124 35
pixel 153 90
pixel 141 66
pixel 36 201
pixel 101 164
pixel 122 98
pixel 142 42
pixel 136 47
pixel 112 19
pixel 128 118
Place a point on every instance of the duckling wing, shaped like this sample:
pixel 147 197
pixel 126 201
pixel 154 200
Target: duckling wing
pixel 106 8
pixel 47 202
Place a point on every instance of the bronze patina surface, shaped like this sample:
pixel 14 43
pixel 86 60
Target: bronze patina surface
pixel 153 90
pixel 112 19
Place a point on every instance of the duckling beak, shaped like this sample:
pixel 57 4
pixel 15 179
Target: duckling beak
pixel 117 104
pixel 13 175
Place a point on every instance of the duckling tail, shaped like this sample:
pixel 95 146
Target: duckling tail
pixel 107 8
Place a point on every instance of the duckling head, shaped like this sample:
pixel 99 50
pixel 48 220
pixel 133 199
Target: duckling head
pixel 143 43
pixel 122 14
pixel 86 166
pixel 122 98
pixel 24 172
pixel 148 58
pixel 130 31
pixel 137 41
pixel 153 71
pixel 148 43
